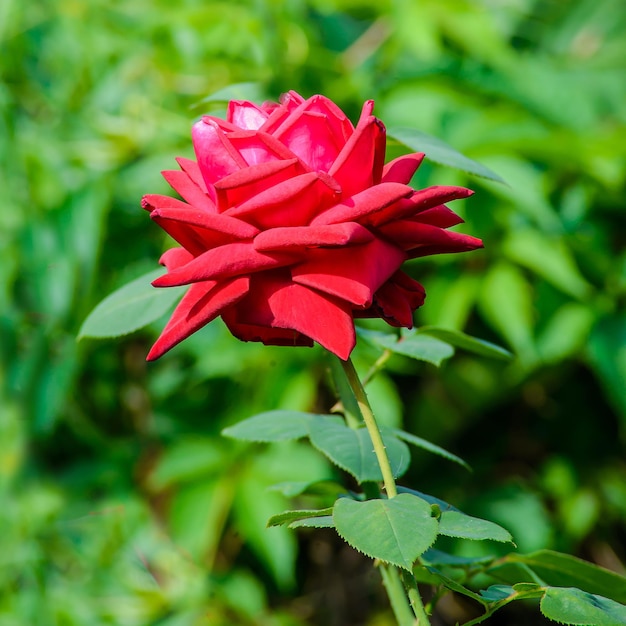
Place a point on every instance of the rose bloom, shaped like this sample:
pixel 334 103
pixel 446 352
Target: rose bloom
pixel 292 225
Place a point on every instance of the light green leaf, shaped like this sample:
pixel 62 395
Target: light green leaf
pixel 325 521
pixel 295 488
pixel 130 308
pixel 287 517
pixel 459 339
pixel 440 152
pixel 457 524
pixel 506 301
pixel 251 91
pixel 396 531
pixel 413 345
pixel 430 447
pixel 353 451
pixel 549 258
pixel 573 606
pixel 497 593
pixel 271 426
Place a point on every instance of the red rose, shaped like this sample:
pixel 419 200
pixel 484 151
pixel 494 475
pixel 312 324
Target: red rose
pixel 291 226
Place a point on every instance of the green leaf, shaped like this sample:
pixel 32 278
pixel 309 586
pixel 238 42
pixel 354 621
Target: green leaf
pixel 254 92
pixel 573 606
pixel 430 447
pixel 287 517
pixel 435 577
pixel 548 257
pixel 506 301
pixel 457 524
pixel 443 506
pixel 295 488
pixel 271 426
pixel 459 339
pixel 325 521
pixel 497 593
pixel 352 449
pixel 413 345
pixel 396 531
pixel 130 308
pixel 562 570
pixel 440 152
pixel 438 557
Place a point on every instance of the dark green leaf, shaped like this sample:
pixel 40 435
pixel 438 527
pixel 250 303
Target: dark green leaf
pixel 396 531
pixel 430 447
pixel 563 570
pixel 459 339
pixel 130 308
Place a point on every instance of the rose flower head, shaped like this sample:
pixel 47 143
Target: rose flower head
pixel 291 225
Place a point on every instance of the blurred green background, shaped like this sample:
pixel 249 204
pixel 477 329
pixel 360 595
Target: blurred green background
pixel 121 503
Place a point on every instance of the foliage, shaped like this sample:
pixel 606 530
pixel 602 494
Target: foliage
pixel 119 483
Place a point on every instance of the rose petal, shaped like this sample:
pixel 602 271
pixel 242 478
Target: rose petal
pixel 292 203
pixel 360 162
pixel 192 170
pixel 420 200
pixel 353 274
pixel 288 102
pixel 275 302
pixel 312 236
pixel 198 231
pixel 396 300
pixel 439 215
pixel 228 260
pixel 245 184
pixel 258 147
pixel 401 170
pixel 175 257
pixel 189 191
pixel 310 137
pixel 423 239
pixel 245 114
pixel 216 155
pixel 361 205
pixel 264 334
pixel 202 303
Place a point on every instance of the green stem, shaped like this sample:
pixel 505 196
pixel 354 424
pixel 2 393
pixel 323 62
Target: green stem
pixel 415 599
pixel 397 596
pixel 372 428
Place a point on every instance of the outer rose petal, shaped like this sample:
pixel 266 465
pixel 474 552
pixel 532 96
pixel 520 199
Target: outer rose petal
pixel 202 303
pixel 175 257
pixel 401 170
pixel 363 204
pixel 197 230
pixel 276 302
pixel 189 190
pixel 312 237
pixel 396 300
pixel 233 259
pixel 353 274
pixel 423 239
